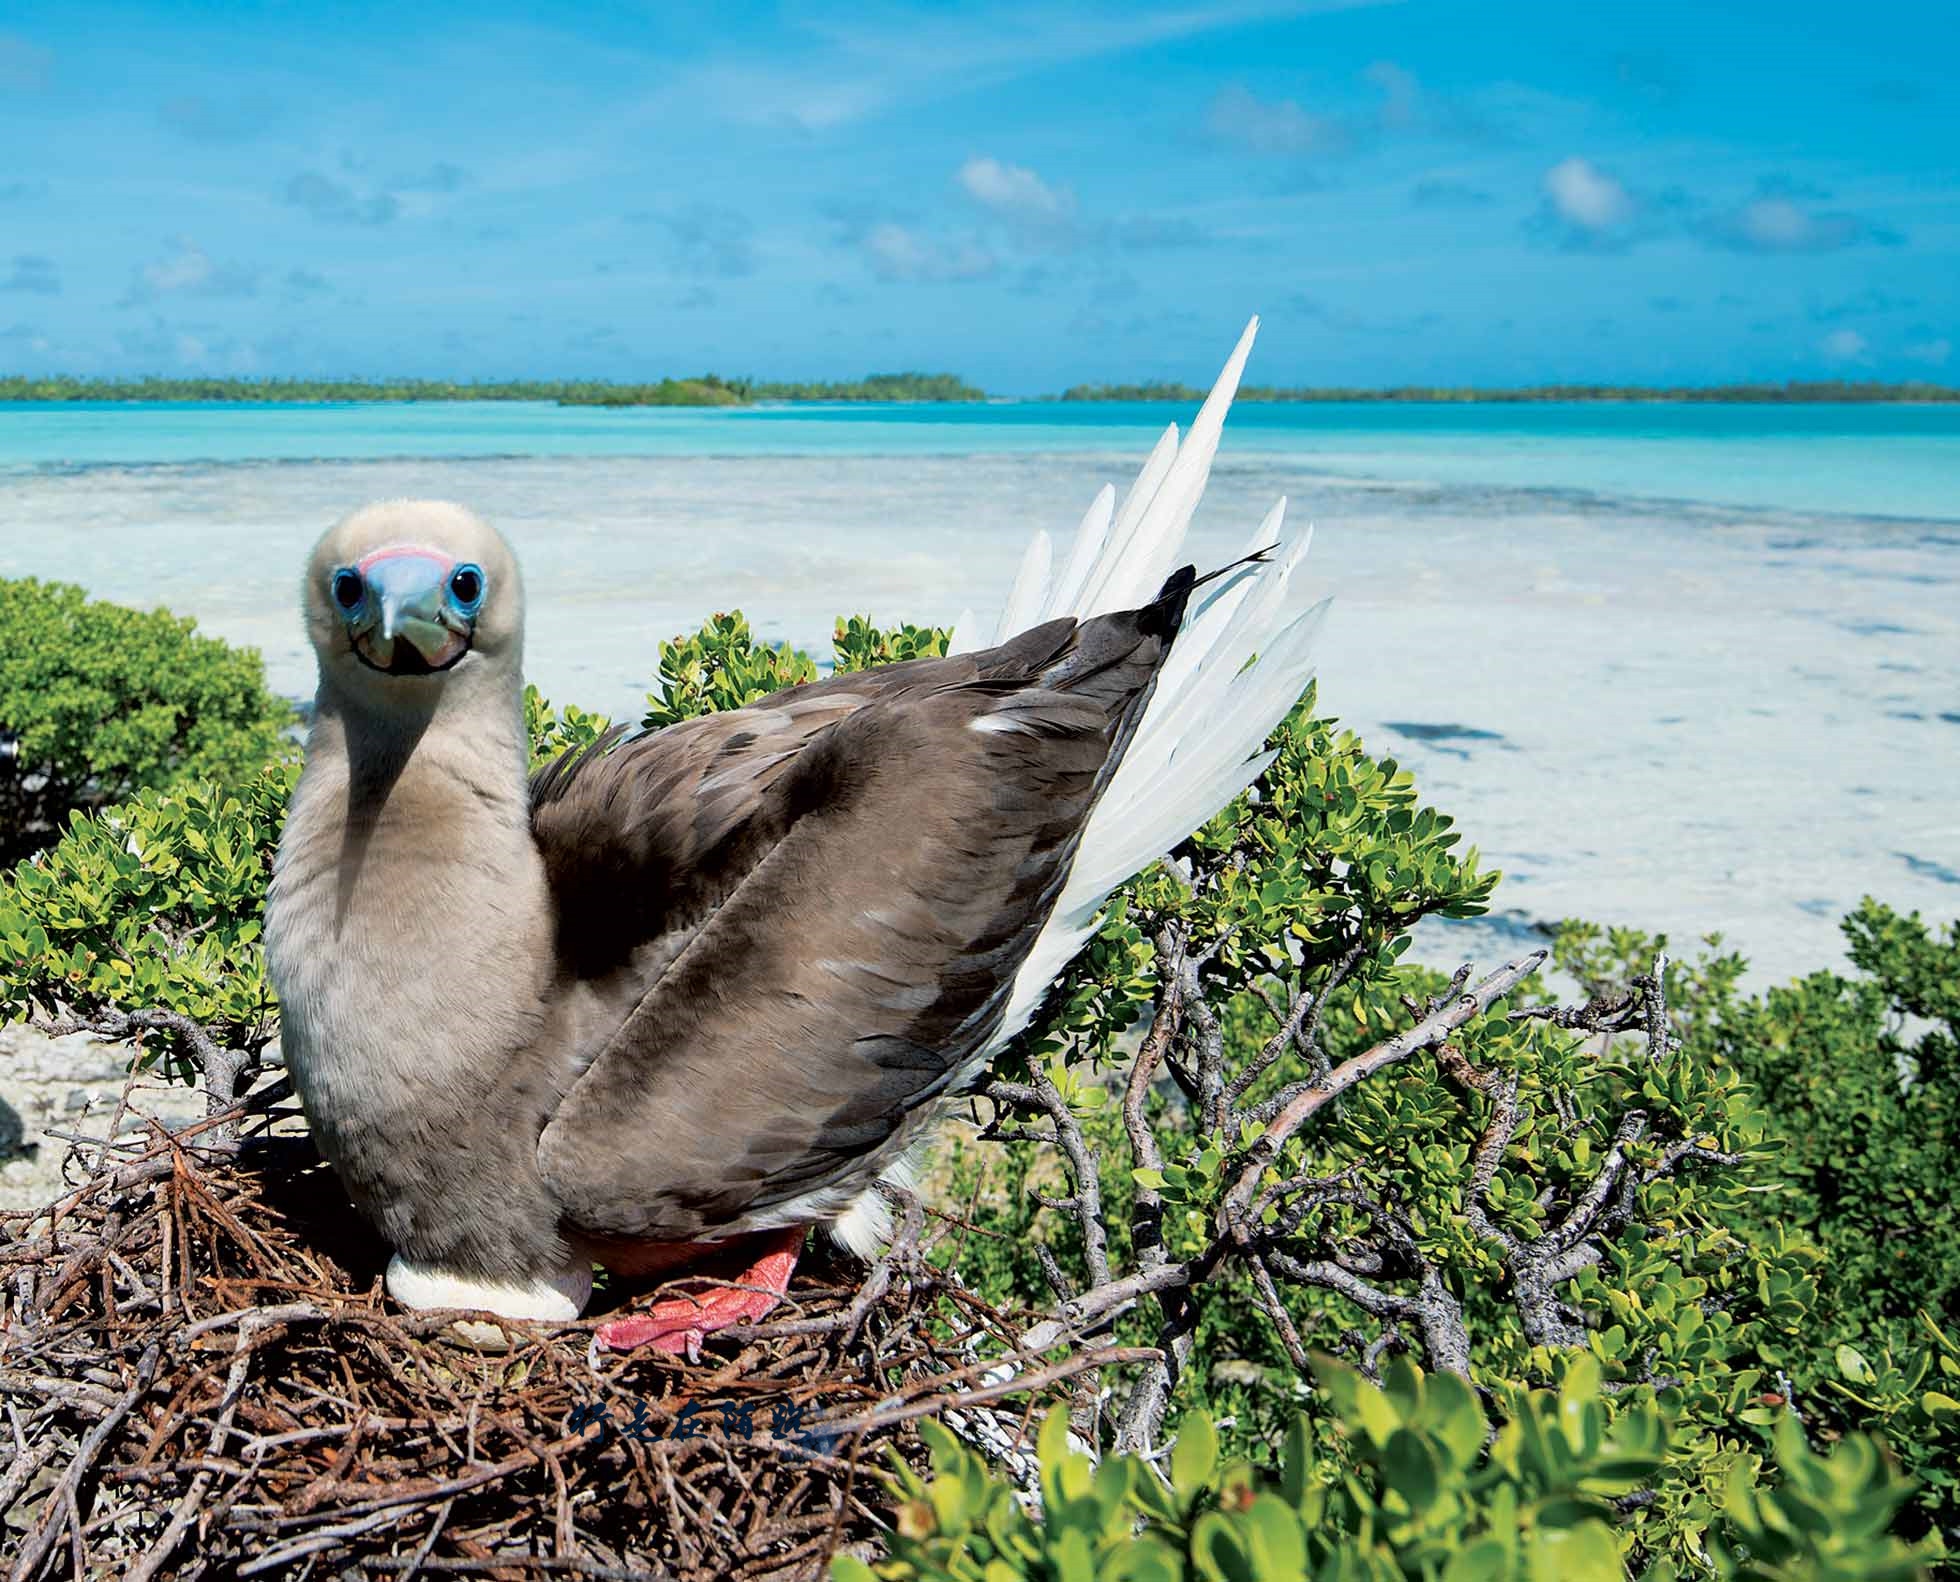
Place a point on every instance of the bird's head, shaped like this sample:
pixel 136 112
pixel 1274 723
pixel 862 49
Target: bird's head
pixel 409 593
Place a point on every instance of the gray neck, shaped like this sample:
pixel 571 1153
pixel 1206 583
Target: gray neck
pixel 470 730
pixel 410 832
pixel 409 935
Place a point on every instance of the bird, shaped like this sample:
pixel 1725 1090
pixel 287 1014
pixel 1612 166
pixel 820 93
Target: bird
pixel 690 992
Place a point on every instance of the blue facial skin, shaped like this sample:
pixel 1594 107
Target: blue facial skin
pixel 349 591
pixel 466 589
pixel 411 594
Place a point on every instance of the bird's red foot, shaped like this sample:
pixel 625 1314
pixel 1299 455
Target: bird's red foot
pixel 679 1324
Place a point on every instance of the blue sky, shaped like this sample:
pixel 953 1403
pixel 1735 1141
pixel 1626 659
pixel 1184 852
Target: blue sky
pixel 1429 190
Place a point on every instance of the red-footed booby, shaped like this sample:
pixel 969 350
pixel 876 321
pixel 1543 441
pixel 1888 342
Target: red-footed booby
pixel 705 985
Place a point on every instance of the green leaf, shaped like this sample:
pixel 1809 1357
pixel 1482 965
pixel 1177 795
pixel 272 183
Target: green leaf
pixel 1194 1456
pixel 1575 1554
pixel 1218 1551
pixel 1278 1548
pixel 1851 1365
pixel 1487 1560
pixel 1411 1469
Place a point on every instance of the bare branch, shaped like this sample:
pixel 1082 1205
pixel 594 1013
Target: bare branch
pixel 1497 1137
pixel 226 1069
pixel 1262 1279
pixel 1086 1202
pixel 1580 1218
pixel 1432 1030
pixel 1299 1025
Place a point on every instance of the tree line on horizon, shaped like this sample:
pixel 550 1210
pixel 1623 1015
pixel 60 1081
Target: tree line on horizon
pixel 715 390
pixel 707 390
pixel 1792 390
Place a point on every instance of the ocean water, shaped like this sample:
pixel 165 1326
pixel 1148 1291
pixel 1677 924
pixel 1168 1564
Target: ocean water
pixel 1688 668
pixel 1871 460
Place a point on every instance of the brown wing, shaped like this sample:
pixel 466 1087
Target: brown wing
pixel 807 915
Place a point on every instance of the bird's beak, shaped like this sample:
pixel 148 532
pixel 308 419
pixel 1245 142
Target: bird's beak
pixel 407 626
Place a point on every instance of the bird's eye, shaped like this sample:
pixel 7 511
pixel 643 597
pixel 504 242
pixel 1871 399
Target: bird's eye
pixel 466 588
pixel 348 590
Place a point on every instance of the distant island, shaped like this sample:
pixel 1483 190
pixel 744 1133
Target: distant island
pixel 706 390
pixel 713 390
pixel 1795 390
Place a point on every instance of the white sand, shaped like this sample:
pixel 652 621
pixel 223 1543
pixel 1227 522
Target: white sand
pixel 1699 718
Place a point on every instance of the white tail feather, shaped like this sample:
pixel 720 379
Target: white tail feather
pixel 1237 667
pixel 1144 557
pixel 1030 589
pixel 1089 540
pixel 1131 519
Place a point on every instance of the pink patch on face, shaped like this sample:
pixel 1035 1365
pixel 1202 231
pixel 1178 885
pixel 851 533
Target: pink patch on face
pixel 452 645
pixel 369 561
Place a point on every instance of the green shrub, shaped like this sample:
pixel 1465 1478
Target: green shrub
pixel 721 666
pixel 1871 1111
pixel 1527 1191
pixel 858 644
pixel 1858 1077
pixel 1907 1387
pixel 151 907
pixel 103 702
pixel 555 731
pixel 1402 1481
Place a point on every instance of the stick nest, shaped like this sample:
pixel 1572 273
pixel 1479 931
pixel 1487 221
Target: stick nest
pixel 202 1378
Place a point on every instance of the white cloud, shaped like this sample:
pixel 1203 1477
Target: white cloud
pixel 1586 208
pixel 163 345
pixel 897 252
pixel 1778 225
pixel 25 337
pixel 32 272
pixel 337 203
pixel 1013 190
pixel 1037 214
pixel 1585 197
pixel 1780 218
pixel 1933 353
pixel 189 271
pixel 1845 346
pixel 709 242
pixel 1269 126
